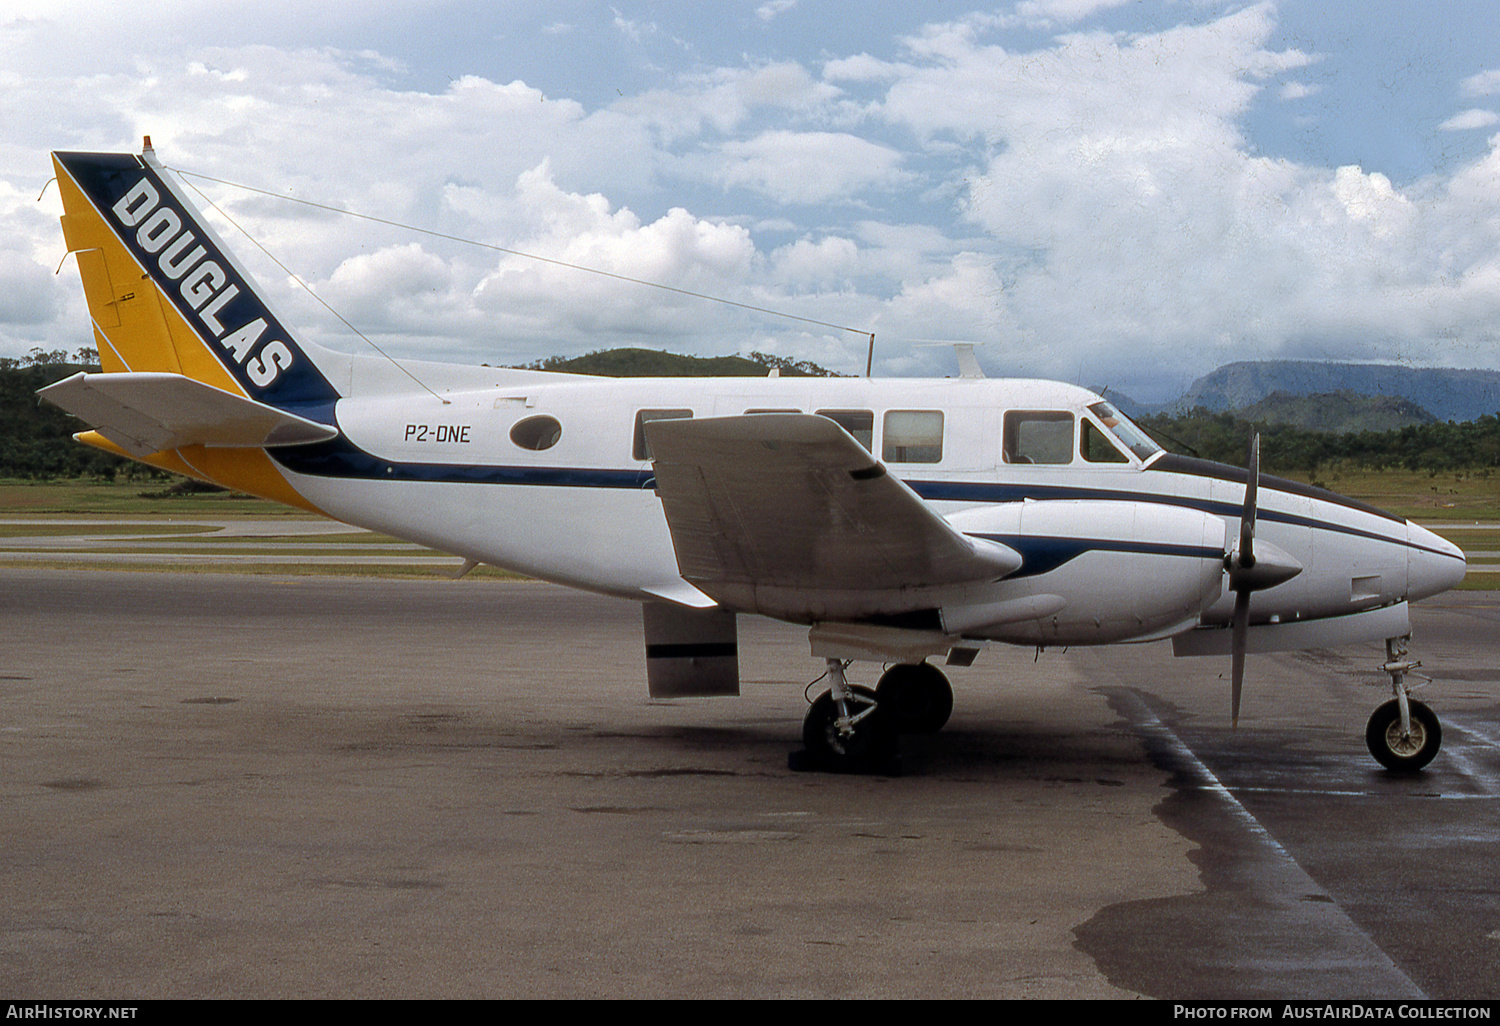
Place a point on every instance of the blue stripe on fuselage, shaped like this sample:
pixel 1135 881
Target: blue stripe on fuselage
pixel 340 458
pixel 1041 554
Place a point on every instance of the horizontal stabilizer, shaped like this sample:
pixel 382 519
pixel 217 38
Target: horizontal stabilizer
pixel 151 412
pixel 793 501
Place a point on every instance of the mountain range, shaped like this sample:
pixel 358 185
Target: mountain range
pixel 1446 393
pixel 1336 397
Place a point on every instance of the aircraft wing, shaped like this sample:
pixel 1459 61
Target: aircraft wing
pixel 793 501
pixel 148 412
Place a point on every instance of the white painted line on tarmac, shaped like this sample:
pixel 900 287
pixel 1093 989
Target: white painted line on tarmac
pixel 1481 777
pixel 1478 735
pixel 1426 796
pixel 1148 721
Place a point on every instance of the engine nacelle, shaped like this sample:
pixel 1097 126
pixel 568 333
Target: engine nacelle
pixel 1093 572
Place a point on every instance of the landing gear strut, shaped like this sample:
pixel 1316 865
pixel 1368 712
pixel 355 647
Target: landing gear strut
pixel 847 730
pixel 1403 734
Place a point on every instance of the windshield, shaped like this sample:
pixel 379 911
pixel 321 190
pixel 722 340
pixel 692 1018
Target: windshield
pixel 1120 426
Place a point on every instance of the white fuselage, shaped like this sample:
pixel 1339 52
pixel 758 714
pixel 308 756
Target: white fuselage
pixel 1123 545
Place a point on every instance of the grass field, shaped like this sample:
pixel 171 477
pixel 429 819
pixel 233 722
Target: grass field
pixel 1419 496
pixel 290 569
pixel 12 529
pixel 124 529
pixel 125 498
pixel 1472 539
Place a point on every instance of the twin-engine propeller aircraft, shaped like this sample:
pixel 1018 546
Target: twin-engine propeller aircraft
pixel 900 520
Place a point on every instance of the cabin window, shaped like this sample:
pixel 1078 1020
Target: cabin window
pixel 1097 447
pixel 640 448
pixel 536 433
pixel 912 436
pixel 859 423
pixel 1042 436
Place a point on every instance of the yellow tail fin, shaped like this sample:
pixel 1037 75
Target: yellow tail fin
pixel 166 297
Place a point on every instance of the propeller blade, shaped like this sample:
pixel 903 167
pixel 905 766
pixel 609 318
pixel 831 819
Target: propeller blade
pixel 1247 516
pixel 1237 642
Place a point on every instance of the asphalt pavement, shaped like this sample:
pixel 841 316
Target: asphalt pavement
pixel 262 786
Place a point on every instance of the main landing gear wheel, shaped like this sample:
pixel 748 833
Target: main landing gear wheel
pixel 864 742
pixel 917 696
pixel 1403 752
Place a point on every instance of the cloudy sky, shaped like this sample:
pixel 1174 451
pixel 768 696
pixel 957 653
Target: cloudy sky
pixel 1121 193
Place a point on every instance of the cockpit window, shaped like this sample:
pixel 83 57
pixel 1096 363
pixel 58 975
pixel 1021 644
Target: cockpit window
pixel 1095 446
pixel 1136 440
pixel 1040 436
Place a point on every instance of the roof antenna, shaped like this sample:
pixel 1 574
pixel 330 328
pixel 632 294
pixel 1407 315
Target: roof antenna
pixel 968 363
pixel 870 360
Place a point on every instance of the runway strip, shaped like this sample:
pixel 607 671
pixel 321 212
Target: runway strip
pixel 259 544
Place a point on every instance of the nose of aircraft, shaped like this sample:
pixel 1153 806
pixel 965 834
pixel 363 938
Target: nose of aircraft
pixel 1434 564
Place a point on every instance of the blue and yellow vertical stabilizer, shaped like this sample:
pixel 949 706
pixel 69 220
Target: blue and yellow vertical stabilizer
pixel 200 377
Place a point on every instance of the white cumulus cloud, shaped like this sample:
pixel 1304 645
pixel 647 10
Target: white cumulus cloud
pixel 809 167
pixel 1470 119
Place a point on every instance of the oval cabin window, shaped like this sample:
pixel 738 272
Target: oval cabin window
pixel 536 433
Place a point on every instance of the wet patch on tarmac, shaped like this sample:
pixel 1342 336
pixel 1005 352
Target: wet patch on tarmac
pixel 729 836
pixel 1248 934
pixel 74 784
pixel 648 774
pixel 617 810
pixel 387 884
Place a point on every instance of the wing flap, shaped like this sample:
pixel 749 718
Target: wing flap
pixel 793 501
pixel 149 412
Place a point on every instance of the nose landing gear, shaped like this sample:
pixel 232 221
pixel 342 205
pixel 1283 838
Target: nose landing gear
pixel 1403 734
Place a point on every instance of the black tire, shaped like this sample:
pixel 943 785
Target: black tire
pixel 917 696
pixel 1403 754
pixel 872 746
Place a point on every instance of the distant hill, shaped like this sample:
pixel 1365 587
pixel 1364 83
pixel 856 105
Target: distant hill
pixel 1339 412
pixel 1447 393
pixel 36 438
pixel 1127 405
